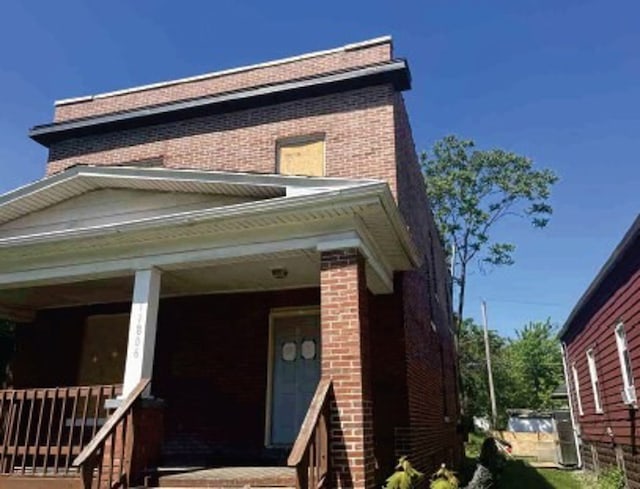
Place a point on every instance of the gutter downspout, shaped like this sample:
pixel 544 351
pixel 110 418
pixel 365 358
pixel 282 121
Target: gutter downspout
pixel 574 426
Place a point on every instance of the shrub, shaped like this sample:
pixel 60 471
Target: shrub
pixel 444 479
pixel 612 478
pixel 405 476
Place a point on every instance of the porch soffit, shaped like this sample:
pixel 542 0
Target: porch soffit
pixel 63 224
pixel 241 274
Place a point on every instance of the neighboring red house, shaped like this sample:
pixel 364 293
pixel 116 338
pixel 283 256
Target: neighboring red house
pixel 601 343
pixel 243 270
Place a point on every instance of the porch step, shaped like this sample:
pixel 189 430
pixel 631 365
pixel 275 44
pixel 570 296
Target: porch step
pixel 228 477
pixel 39 482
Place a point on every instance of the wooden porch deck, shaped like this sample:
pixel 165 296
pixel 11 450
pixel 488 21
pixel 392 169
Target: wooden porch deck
pixel 228 477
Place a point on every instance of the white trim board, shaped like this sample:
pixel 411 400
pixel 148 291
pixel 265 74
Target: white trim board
pixel 191 259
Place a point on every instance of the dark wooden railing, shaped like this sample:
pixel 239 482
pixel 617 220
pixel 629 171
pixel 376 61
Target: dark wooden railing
pixel 310 452
pixel 41 430
pixel 105 463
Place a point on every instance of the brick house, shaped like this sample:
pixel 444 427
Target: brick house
pixel 601 342
pixel 238 272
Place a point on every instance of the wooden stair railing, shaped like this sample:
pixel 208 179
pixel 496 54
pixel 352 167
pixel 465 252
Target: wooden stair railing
pixel 41 430
pixel 105 463
pixel 310 452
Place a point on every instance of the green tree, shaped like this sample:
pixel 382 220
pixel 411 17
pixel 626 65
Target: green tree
pixel 471 190
pixel 536 365
pixel 473 370
pixel 526 369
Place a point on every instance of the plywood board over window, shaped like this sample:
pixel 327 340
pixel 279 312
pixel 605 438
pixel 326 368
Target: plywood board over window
pixel 303 155
pixel 104 348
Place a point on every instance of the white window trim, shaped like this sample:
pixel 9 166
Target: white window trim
pixel 621 342
pixel 593 374
pixel 576 386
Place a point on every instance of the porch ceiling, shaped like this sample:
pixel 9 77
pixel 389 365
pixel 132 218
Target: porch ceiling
pixel 56 231
pixel 251 274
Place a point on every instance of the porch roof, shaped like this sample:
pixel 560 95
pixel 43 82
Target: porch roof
pixel 48 234
pixel 80 179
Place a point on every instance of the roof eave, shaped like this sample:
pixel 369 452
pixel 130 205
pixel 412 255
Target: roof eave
pixel 371 193
pixel 632 234
pixel 395 72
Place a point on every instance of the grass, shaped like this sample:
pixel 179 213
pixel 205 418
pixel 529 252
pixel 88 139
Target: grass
pixel 518 473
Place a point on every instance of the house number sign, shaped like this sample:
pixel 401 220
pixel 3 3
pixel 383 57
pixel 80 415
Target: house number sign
pixel 138 339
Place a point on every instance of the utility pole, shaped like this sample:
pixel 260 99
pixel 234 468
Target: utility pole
pixel 453 262
pixel 487 351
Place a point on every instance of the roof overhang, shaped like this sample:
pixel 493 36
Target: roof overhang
pixel 627 244
pixel 395 72
pixel 285 213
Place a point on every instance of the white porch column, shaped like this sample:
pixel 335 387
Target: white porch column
pixel 142 329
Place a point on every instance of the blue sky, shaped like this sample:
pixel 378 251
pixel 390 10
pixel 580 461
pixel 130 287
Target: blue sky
pixel 558 81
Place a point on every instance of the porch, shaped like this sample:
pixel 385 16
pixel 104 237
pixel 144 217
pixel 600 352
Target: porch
pixel 222 337
pixel 209 409
pixel 213 402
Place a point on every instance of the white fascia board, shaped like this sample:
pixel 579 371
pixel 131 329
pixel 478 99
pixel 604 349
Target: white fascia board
pixel 163 261
pixel 362 241
pixel 373 260
pixel 376 193
pixel 402 230
pixel 336 198
pixel 95 177
pixel 217 176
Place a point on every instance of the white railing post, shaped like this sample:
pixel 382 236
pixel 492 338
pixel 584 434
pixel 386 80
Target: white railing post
pixel 142 330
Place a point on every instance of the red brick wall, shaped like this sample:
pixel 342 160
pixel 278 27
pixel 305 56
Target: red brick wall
pixel 617 300
pixel 210 361
pixel 358 128
pixel 40 346
pixel 234 81
pixel 211 367
pixel 432 386
pixel 346 358
pixel 367 135
pixel 389 373
pixel 134 449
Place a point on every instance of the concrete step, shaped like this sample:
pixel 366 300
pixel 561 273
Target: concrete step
pixel 227 477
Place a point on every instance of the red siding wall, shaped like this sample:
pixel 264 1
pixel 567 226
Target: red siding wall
pixel 617 300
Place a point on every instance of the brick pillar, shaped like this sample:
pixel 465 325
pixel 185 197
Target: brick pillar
pixel 143 444
pixel 148 428
pixel 345 358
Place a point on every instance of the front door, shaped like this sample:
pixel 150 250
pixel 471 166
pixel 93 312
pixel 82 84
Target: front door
pixel 296 372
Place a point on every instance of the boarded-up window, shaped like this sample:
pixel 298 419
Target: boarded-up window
pixel 104 348
pixel 301 156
